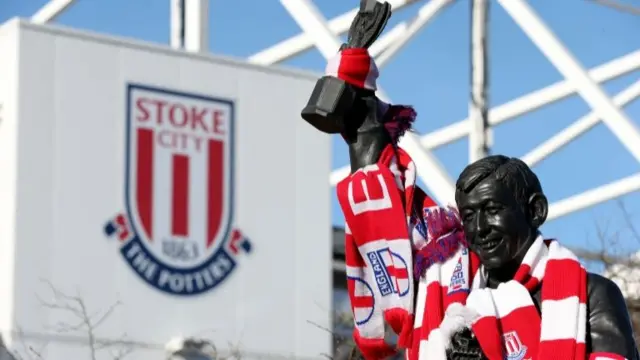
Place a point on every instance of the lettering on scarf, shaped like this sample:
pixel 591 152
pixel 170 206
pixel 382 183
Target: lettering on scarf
pixel 458 280
pixel 380 272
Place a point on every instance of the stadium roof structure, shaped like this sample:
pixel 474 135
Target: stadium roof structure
pixel 190 31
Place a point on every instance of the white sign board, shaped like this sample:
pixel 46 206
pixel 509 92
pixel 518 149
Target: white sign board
pixel 184 188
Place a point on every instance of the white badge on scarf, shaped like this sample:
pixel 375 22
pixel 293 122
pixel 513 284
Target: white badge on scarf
pixel 460 277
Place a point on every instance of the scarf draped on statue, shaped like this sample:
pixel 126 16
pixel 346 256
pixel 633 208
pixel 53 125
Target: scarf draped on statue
pixel 452 295
pixel 375 201
pixel 397 236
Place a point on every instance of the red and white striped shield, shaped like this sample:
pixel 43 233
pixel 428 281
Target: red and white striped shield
pixel 514 348
pixel 179 174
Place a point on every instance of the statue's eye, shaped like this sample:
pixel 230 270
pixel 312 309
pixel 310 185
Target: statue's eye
pixel 492 210
pixel 467 216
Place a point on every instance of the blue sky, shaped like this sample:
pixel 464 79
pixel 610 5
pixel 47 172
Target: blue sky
pixel 432 74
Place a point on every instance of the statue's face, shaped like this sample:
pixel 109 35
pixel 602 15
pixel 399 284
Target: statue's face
pixel 495 224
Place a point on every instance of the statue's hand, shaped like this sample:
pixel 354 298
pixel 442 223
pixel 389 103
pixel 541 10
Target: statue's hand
pixel 350 75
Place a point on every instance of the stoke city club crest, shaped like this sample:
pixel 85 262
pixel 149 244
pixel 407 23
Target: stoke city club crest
pixel 515 349
pixel 177 231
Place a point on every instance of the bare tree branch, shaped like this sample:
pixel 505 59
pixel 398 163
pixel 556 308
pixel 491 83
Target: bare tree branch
pixel 86 322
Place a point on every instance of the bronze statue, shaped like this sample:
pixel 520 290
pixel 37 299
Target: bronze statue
pixel 481 283
pixel 502 207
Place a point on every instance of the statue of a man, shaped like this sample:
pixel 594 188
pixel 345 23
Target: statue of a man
pixel 548 306
pixel 506 292
pixel 479 284
pixel 561 311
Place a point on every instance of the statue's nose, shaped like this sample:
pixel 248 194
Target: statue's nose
pixel 482 226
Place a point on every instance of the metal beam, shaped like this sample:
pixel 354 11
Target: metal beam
pixel 313 23
pixel 177 25
pixel 393 40
pixel 51 10
pixel 522 105
pixel 196 26
pixel 594 196
pixel 533 26
pixel 479 134
pixel 579 127
pixel 426 13
pixel 387 39
pixel 533 101
pixel 297 44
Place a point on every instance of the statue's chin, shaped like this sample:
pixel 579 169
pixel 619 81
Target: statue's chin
pixel 492 262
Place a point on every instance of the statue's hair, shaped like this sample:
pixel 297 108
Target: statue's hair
pixel 512 172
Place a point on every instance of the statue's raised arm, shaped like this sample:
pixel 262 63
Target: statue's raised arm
pixel 379 199
pixel 344 100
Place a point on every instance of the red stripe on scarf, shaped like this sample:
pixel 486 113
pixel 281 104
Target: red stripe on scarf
pixel 366 203
pixel 520 330
pixel 566 286
pixel 355 66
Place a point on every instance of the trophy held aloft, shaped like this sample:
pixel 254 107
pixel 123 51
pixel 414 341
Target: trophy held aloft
pixel 344 101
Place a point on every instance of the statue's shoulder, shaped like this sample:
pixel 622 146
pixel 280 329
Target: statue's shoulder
pixel 609 326
pixel 606 303
pixel 600 288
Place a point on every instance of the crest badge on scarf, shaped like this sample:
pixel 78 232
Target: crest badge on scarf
pixel 514 348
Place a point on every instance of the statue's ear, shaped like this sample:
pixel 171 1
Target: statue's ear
pixel 538 209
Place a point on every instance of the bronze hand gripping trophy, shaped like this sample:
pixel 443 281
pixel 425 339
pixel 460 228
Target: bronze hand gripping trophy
pixel 344 100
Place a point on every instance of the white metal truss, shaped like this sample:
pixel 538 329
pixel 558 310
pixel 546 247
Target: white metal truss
pixel 190 31
pixel 194 36
pixel 480 137
pixel 51 10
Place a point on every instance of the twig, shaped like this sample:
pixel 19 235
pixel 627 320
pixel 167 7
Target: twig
pixel 87 322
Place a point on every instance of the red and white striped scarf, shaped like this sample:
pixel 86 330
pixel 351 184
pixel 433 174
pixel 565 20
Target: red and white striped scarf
pixel 453 295
pixel 505 320
pixel 376 201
